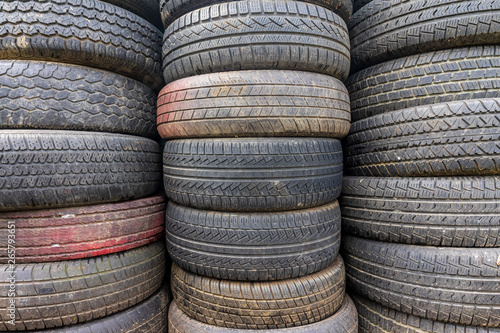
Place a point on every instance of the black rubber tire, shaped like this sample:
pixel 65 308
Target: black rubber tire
pixel 147 9
pixel 256 34
pixel 384 30
pixel 255 104
pixel 260 305
pixel 428 78
pixel 44 169
pixel 49 95
pixel 253 246
pixel 358 4
pixel 345 320
pixel 453 285
pixel 458 212
pixel 253 174
pixel 51 295
pixel 82 32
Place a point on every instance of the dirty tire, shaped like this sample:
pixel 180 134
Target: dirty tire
pixel 46 169
pixel 147 9
pixel 253 246
pixel 428 78
pixel 261 34
pixel 260 305
pixel 345 320
pixel 385 30
pixel 254 103
pixel 440 211
pixel 454 285
pixel 81 290
pixel 253 174
pixel 457 138
pixel 49 95
pixel 82 32
pixel 83 232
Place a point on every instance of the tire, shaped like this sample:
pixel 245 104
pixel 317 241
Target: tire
pixel 76 233
pixel 260 305
pixel 261 34
pixel 147 9
pixel 343 321
pixel 253 174
pixel 255 104
pixel 81 290
pixel 82 32
pixel 385 30
pixel 428 78
pixel 253 246
pixel 457 212
pixel 358 4
pixel 46 169
pixel 453 285
pixel 48 95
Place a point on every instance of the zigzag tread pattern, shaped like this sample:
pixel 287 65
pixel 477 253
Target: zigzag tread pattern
pixel 147 9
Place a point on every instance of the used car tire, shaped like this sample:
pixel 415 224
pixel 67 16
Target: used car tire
pixel 147 9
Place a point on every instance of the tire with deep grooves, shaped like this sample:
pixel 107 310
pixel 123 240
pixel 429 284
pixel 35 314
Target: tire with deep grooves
pixel 255 104
pixel 253 174
pixel 147 9
pixel 262 34
pixel 253 246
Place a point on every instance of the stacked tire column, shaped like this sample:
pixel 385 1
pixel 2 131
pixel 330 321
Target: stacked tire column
pixel 81 223
pixel 423 200
pixel 253 110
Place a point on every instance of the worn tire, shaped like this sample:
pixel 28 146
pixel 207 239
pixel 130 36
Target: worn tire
pixel 254 103
pixel 254 174
pixel 385 30
pixel 44 169
pixel 81 290
pixel 260 305
pixel 358 4
pixel 454 285
pixel 343 321
pixel 82 32
pixel 261 34
pixel 253 246
pixel 428 78
pixel 49 95
pixel 147 9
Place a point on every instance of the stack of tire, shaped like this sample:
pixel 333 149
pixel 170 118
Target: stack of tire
pixel 253 111
pixel 81 223
pixel 422 202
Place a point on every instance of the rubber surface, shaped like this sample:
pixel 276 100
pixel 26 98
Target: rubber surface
pixel 254 174
pixel 71 292
pixel 147 9
pixel 83 232
pixel 83 32
pixel 254 103
pixel 428 78
pixel 260 305
pixel 46 169
pixel 384 30
pixel 343 321
pixel 256 34
pixel 358 4
pixel 253 246
pixel 455 285
pixel 439 211
pixel 49 95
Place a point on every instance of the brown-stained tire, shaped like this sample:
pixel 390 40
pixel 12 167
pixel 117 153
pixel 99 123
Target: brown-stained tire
pixel 254 104
pixel 82 232
pixel 260 305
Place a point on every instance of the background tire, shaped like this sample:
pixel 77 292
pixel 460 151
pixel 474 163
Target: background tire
pixel 147 9
pixel 358 4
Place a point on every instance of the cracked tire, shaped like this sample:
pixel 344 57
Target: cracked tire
pixel 147 9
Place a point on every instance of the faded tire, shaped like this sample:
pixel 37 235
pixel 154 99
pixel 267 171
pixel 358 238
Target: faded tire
pixel 44 169
pixel 147 9
pixel 343 321
pixel 253 174
pixel 428 78
pixel 261 34
pixel 82 32
pixel 253 246
pixel 49 95
pixel 254 103
pixel 458 138
pixel 260 305
pixel 453 285
pixel 81 290
pixel 82 232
